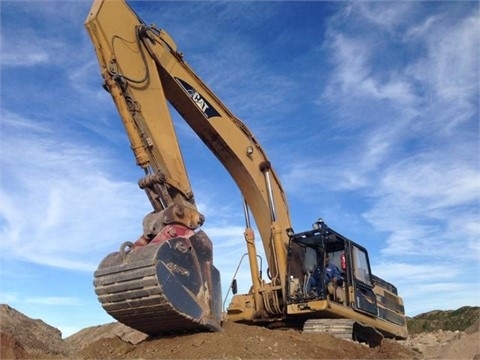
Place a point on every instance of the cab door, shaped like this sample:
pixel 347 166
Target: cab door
pixel 364 297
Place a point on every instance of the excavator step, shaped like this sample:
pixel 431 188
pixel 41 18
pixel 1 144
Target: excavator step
pixel 161 288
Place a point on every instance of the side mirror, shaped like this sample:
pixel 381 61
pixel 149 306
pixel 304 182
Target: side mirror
pixel 234 286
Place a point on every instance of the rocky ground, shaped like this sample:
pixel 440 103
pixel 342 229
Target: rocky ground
pixel 25 338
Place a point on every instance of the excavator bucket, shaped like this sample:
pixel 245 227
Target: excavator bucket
pixel 162 288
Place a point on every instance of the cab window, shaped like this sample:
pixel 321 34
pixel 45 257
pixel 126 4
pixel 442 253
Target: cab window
pixel 362 270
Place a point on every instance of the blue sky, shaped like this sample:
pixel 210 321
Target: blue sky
pixel 368 111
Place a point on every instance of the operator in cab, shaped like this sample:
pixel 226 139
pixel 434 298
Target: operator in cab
pixel 333 280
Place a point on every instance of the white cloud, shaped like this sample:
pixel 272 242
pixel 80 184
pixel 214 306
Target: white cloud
pixel 388 18
pixel 420 178
pixel 356 76
pixel 423 297
pixel 54 300
pixel 443 285
pixel 426 201
pixel 27 50
pixel 8 298
pixel 14 58
pixel 59 208
pixel 407 272
pixel 432 176
pixel 448 69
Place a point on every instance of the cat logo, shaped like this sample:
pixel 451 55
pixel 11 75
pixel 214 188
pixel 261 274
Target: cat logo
pixel 204 106
pixel 202 103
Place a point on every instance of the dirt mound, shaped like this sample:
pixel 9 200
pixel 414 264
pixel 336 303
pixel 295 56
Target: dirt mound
pixel 85 337
pixel 26 338
pixel 446 344
pixel 10 348
pixel 475 327
pixel 239 341
pixel 33 336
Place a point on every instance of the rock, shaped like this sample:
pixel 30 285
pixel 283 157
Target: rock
pixel 91 334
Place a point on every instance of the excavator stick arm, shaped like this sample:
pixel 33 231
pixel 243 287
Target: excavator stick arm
pixel 164 282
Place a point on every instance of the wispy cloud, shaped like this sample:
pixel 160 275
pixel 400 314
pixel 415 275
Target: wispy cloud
pixel 418 193
pixel 39 43
pixel 8 298
pixel 60 208
pixel 21 54
pixel 77 213
pixel 422 285
pixel 449 71
pixel 405 272
pixel 54 300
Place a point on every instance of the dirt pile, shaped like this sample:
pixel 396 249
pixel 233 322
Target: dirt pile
pixel 239 341
pixel 446 345
pixel 25 338
pixel 88 336
pixel 20 334
pixel 10 348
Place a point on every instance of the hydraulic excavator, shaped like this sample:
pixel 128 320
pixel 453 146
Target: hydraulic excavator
pixel 165 281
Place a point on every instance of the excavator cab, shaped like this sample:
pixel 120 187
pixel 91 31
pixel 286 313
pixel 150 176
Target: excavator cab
pixel 349 258
pixel 318 244
pixel 367 296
